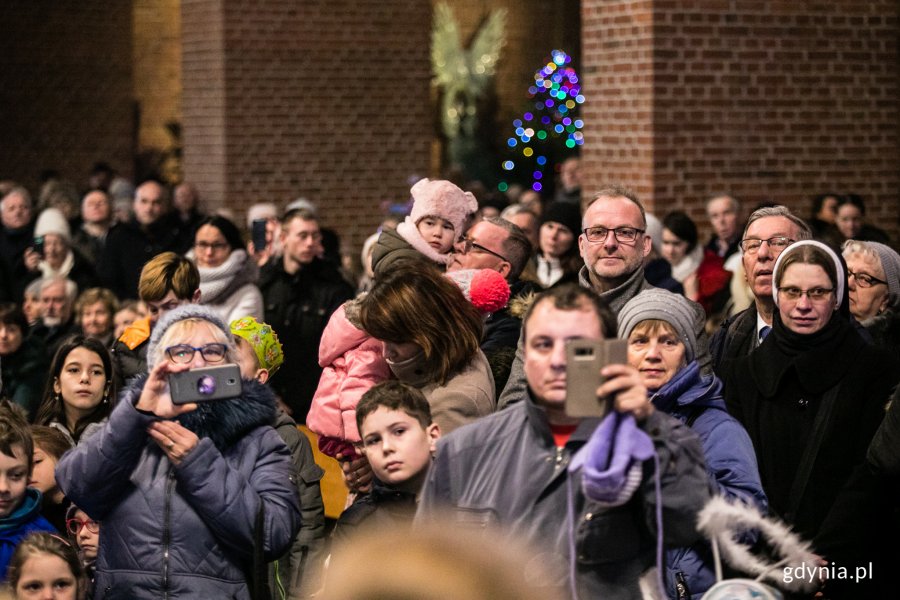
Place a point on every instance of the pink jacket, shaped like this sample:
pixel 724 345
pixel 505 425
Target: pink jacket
pixel 352 361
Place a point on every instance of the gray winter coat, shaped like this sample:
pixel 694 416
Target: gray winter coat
pixel 184 531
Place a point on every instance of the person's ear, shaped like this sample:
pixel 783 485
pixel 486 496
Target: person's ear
pixel 504 269
pixel 433 432
pixel 648 243
pixel 262 375
pixel 195 299
pixel 57 389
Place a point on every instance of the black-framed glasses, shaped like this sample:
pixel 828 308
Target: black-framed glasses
pixel 468 245
pixel 623 235
pixel 74 526
pixel 752 245
pixel 864 280
pixel 184 353
pixel 814 294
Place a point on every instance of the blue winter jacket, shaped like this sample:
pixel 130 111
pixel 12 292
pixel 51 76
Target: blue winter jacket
pixel 730 461
pixel 24 520
pixel 184 531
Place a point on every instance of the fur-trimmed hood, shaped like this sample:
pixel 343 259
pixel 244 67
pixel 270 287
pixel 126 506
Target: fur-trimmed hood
pixel 222 421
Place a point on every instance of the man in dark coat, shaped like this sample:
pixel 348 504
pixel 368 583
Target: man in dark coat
pixel 300 291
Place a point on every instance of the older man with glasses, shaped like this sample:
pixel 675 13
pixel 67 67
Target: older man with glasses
pixel 768 232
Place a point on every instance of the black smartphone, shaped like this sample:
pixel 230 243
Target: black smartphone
pixel 584 359
pixel 258 234
pixel 205 384
pixel 38 245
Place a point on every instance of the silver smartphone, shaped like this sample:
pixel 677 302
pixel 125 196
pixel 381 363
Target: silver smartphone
pixel 205 384
pixel 584 359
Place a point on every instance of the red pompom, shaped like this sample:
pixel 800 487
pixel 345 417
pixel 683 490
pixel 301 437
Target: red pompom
pixel 489 291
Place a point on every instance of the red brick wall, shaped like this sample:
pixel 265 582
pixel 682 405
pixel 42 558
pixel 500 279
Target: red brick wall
pixel 770 100
pixel 327 100
pixel 65 88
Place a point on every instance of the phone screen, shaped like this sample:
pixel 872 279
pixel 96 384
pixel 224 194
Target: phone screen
pixel 258 233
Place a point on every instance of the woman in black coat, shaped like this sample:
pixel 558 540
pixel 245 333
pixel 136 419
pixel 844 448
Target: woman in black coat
pixel 812 395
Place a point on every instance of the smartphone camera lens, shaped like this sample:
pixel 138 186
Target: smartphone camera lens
pixel 206 385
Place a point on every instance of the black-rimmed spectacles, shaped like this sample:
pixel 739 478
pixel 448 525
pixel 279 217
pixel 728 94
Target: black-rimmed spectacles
pixel 468 245
pixel 623 235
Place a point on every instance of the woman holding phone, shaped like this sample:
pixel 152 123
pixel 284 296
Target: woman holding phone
pixel 188 493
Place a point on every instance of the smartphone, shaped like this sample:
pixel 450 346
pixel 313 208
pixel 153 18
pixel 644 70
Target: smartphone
pixel 584 359
pixel 205 384
pixel 38 245
pixel 258 234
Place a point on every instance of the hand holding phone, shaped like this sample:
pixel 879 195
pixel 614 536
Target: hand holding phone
pixel 205 384
pixel 584 360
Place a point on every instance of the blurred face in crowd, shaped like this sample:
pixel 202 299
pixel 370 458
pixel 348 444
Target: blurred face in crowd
pixel 397 352
pixel 42 475
pixel 14 478
pixel 157 308
pixel 56 249
pixel 123 319
pixel 555 239
pixel 546 332
pixel 33 308
pixel 569 175
pixel 185 198
pixel 56 307
pixel 302 241
pixel 96 208
pixel 868 297
pixel 210 247
pixel 828 211
pixel 758 265
pixel 10 338
pixel 806 313
pixel 149 204
pixel 656 352
pixel 528 223
pixel 673 247
pixel 488 252
pixel 610 262
pixel 96 321
pixel 849 220
pixel 723 217
pixel 15 211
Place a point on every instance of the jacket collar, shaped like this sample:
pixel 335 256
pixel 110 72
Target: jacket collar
pixel 540 425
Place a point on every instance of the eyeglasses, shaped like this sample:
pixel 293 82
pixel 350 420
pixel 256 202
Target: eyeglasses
pixel 184 353
pixel 864 280
pixel 74 526
pixel 624 235
pixel 814 294
pixel 468 245
pixel 752 245
pixel 216 247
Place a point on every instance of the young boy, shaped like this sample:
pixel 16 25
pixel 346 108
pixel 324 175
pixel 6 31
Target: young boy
pixel 297 573
pixel 398 439
pixel 20 505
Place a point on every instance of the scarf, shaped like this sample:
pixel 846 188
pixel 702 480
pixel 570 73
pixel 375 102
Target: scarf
pixel 410 371
pixel 64 269
pixel 217 284
pixel 688 264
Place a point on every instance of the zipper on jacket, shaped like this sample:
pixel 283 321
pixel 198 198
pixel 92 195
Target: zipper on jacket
pixel 559 457
pixel 682 592
pixel 170 483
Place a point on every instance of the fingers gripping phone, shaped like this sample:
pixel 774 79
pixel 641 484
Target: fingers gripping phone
pixel 258 234
pixel 584 359
pixel 206 384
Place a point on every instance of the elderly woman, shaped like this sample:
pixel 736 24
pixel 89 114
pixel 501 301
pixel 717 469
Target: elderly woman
pixel 188 494
pixel 662 346
pixel 813 393
pixel 873 281
pixel 59 258
pixel 227 274
pixel 95 310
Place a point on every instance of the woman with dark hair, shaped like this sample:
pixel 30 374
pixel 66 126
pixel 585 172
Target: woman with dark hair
pixel 680 248
pixel 23 362
pixel 431 336
pixel 80 390
pixel 228 275
pixel 811 396
pixel 558 259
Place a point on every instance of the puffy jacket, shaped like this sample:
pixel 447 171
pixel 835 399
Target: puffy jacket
pixel 184 531
pixel 730 463
pixel 505 470
pixel 129 352
pixel 352 363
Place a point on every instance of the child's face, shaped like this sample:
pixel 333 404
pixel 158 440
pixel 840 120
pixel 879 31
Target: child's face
pixel 46 576
pixel 82 381
pixel 398 448
pixel 14 477
pixel 437 233
pixel 88 541
pixel 42 477
pixel 247 360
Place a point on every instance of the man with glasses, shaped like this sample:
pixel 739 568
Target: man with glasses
pixel 613 245
pixel 768 232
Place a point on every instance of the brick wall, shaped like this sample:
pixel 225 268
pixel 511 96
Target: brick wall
pixel 327 100
pixel 770 100
pixel 65 88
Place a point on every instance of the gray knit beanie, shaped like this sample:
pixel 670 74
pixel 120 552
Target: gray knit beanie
pixel 890 263
pixel 185 311
pixel 662 305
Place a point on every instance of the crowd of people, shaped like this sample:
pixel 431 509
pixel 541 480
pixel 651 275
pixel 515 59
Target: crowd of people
pixel 759 366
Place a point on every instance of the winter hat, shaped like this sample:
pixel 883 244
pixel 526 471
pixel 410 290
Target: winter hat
pixel 264 341
pixel 442 199
pixel 51 220
pixel 567 214
pixel 663 305
pixel 838 266
pixel 890 263
pixel 301 204
pixel 486 289
pixel 261 210
pixel 185 311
